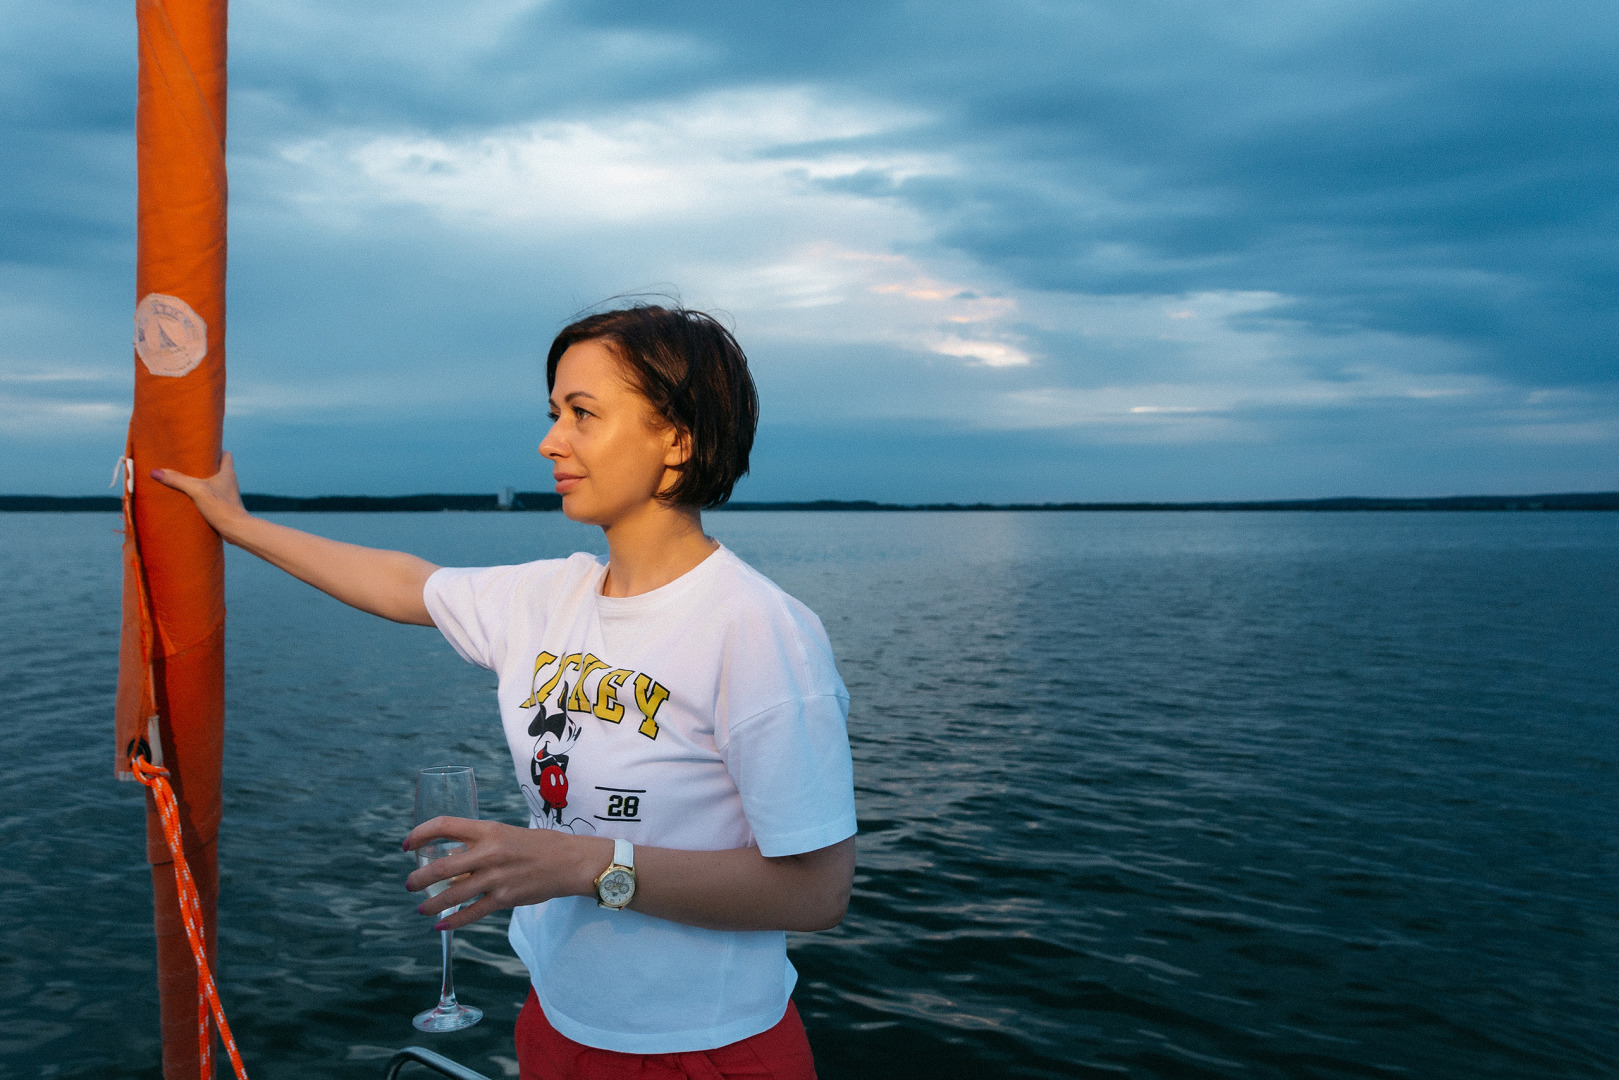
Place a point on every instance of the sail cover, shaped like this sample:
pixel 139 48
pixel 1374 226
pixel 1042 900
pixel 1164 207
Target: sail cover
pixel 170 701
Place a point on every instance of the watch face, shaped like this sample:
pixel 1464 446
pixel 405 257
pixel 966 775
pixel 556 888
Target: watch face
pixel 616 888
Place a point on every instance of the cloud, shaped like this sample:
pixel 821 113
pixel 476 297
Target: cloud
pixel 991 353
pixel 713 158
pixel 799 259
pixel 60 402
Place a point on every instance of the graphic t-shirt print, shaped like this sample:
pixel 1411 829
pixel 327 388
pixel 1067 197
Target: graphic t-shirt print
pixel 567 693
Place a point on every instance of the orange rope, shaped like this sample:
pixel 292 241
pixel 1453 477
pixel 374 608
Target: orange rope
pixel 155 777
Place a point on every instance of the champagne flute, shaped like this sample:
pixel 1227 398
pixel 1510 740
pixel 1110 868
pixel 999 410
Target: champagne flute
pixel 447 791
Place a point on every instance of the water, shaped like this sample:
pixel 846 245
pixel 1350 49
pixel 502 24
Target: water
pixel 1157 795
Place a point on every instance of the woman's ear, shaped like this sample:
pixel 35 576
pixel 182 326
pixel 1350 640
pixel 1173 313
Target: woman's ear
pixel 679 448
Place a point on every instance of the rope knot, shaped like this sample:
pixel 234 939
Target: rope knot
pixel 145 771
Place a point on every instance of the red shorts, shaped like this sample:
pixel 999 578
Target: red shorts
pixel 544 1053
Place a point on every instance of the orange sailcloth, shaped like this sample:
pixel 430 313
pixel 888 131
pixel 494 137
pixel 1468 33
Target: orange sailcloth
pixel 171 674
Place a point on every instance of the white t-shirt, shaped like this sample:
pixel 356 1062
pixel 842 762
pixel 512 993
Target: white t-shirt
pixel 704 715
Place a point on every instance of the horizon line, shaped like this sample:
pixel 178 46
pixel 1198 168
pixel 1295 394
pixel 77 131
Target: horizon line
pixel 535 501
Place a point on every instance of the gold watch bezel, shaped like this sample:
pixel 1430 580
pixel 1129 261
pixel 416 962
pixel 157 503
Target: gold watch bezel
pixel 600 900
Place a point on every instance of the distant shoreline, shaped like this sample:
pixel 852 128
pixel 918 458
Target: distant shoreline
pixel 544 501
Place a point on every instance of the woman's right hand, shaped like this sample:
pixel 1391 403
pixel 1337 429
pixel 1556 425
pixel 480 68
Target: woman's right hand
pixel 218 498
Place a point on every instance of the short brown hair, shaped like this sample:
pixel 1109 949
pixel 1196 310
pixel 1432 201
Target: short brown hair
pixel 695 375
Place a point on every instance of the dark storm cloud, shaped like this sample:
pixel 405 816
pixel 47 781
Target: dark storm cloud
pixel 1432 169
pixel 67 105
pixel 1438 168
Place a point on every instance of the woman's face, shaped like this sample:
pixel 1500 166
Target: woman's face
pixel 610 452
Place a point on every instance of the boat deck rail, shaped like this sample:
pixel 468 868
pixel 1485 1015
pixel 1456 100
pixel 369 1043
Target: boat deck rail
pixel 420 1055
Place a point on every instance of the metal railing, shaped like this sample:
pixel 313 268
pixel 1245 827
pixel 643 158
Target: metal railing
pixel 420 1055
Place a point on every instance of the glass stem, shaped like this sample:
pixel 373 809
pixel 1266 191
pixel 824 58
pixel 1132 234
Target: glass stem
pixel 446 993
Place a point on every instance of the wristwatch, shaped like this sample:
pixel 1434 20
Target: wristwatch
pixel 615 886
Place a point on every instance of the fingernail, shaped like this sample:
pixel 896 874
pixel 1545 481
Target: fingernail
pixel 419 907
pixel 404 845
pixel 443 925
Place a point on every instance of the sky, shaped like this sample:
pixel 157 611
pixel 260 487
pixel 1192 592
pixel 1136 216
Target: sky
pixel 1009 251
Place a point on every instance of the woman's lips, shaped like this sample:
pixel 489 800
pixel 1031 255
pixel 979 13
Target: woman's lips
pixel 566 482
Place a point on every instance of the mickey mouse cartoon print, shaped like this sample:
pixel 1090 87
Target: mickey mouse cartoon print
pixel 555 734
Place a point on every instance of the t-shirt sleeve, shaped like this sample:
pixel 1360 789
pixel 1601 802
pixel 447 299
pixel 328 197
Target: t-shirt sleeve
pixel 474 607
pixel 791 765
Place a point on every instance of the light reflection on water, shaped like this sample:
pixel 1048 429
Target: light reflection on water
pixel 1157 795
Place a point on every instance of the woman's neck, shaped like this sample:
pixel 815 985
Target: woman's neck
pixel 650 550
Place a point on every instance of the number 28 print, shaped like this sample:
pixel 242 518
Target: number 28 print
pixel 623 804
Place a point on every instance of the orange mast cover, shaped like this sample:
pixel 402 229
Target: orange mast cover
pixel 171 671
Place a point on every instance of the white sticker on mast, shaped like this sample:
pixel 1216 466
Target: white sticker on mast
pixel 170 338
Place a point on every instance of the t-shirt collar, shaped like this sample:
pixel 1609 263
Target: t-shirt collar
pixel 663 594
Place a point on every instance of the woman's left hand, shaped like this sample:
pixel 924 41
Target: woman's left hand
pixel 503 866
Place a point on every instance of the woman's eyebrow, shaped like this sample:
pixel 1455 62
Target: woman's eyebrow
pixel 576 394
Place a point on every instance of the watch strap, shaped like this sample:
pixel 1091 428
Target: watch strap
pixel 624 854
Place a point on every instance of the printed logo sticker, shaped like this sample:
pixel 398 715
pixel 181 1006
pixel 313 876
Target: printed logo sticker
pixel 170 338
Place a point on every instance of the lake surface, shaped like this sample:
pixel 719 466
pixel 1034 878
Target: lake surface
pixel 1141 795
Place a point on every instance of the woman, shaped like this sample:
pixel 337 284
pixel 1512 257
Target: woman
pixel 676 721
